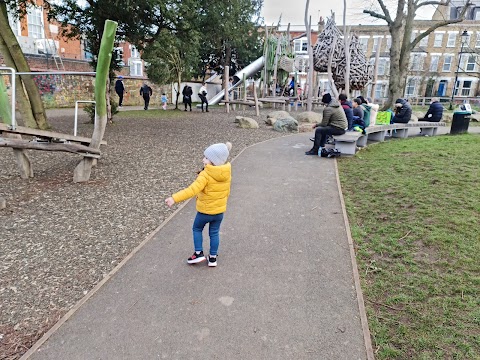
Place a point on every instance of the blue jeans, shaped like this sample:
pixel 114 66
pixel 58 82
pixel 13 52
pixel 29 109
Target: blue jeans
pixel 199 223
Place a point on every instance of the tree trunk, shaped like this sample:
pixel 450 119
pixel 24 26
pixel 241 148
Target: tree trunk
pixel 308 25
pixel 84 168
pixel 398 73
pixel 21 65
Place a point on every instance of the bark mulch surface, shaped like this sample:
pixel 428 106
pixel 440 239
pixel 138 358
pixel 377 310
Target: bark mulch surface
pixel 58 239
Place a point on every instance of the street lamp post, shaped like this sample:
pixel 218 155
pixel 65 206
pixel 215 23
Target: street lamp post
pixel 463 37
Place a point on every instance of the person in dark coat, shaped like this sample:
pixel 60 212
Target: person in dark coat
pixel 146 92
pixel 435 111
pixel 403 112
pixel 347 107
pixel 334 122
pixel 120 90
pixel 187 93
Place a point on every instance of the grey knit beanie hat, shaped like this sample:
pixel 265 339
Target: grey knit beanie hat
pixel 218 153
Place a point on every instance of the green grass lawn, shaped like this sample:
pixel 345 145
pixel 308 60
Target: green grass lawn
pixel 414 209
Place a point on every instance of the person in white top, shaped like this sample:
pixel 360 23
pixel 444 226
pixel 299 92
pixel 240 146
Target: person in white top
pixel 202 93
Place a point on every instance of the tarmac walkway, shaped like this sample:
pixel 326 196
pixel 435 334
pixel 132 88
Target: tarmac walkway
pixel 284 287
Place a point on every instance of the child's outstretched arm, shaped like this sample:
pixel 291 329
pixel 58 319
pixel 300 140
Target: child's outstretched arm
pixel 197 186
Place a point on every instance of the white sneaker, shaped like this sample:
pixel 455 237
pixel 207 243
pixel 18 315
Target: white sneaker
pixel 212 261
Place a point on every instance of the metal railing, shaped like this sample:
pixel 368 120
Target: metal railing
pixel 13 73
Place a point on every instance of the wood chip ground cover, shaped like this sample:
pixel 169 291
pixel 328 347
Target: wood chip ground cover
pixel 58 239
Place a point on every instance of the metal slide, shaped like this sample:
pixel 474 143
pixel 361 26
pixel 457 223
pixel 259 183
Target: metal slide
pixel 248 71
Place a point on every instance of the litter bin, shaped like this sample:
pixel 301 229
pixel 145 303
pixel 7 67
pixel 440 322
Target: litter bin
pixel 460 122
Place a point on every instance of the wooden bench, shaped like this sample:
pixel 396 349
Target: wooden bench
pixel 46 134
pixel 281 100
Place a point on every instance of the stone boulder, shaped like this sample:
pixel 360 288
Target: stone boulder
pixel 309 117
pixel 286 125
pixel 276 115
pixel 246 123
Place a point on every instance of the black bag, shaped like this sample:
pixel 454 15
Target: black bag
pixel 330 153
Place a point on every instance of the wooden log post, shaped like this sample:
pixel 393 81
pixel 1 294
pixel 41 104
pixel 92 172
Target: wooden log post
pixel 226 95
pixel 255 97
pixel 23 161
pixel 84 168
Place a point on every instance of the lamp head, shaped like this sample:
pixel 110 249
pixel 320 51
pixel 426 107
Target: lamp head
pixel 464 37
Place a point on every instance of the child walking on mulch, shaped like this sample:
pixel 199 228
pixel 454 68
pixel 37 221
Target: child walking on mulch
pixel 212 188
pixel 164 101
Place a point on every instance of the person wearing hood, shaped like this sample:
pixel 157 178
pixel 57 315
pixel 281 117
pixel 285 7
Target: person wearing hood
pixel 212 189
pixel 403 112
pixel 348 108
pixel 334 122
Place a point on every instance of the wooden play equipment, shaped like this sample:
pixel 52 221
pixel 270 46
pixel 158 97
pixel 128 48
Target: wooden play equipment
pixel 11 134
pixel 330 50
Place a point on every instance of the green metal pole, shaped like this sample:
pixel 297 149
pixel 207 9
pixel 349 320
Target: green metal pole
pixel 5 112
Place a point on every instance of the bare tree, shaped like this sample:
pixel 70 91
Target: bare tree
pixel 400 29
pixel 308 25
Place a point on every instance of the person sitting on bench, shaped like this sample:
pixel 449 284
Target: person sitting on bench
pixel 334 122
pixel 435 111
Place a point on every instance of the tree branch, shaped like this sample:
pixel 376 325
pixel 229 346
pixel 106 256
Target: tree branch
pixel 385 11
pixel 440 24
pixel 376 15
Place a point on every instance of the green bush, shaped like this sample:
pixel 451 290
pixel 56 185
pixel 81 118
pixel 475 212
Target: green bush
pixel 90 110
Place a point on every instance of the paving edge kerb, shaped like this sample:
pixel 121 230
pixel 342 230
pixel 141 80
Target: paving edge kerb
pixel 361 305
pixel 356 276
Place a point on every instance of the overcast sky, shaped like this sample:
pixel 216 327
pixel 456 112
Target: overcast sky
pixel 293 11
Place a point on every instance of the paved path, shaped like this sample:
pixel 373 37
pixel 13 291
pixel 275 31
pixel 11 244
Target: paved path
pixel 284 287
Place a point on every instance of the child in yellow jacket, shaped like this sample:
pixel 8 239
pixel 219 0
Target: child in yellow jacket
pixel 212 188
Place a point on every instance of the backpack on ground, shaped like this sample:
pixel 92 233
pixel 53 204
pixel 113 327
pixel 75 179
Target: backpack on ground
pixel 329 153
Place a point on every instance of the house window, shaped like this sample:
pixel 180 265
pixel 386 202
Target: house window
pixel 416 62
pixel 447 63
pixel 380 91
pixel 118 53
pixel 424 41
pixel 434 63
pixel 471 61
pixel 477 43
pixel 35 22
pixel 467 85
pixel 375 44
pixel 438 41
pixel 389 43
pixel 136 68
pixel 135 53
pixel 363 42
pixel 411 87
pixel 301 45
pixel 383 66
pixel 14 24
pixel 452 37
pixel 413 35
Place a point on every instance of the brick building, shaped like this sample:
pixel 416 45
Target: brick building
pixel 46 50
pixel 434 63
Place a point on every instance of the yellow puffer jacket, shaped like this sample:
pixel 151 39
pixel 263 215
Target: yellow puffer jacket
pixel 212 188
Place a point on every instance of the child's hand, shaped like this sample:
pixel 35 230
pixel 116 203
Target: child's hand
pixel 169 201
